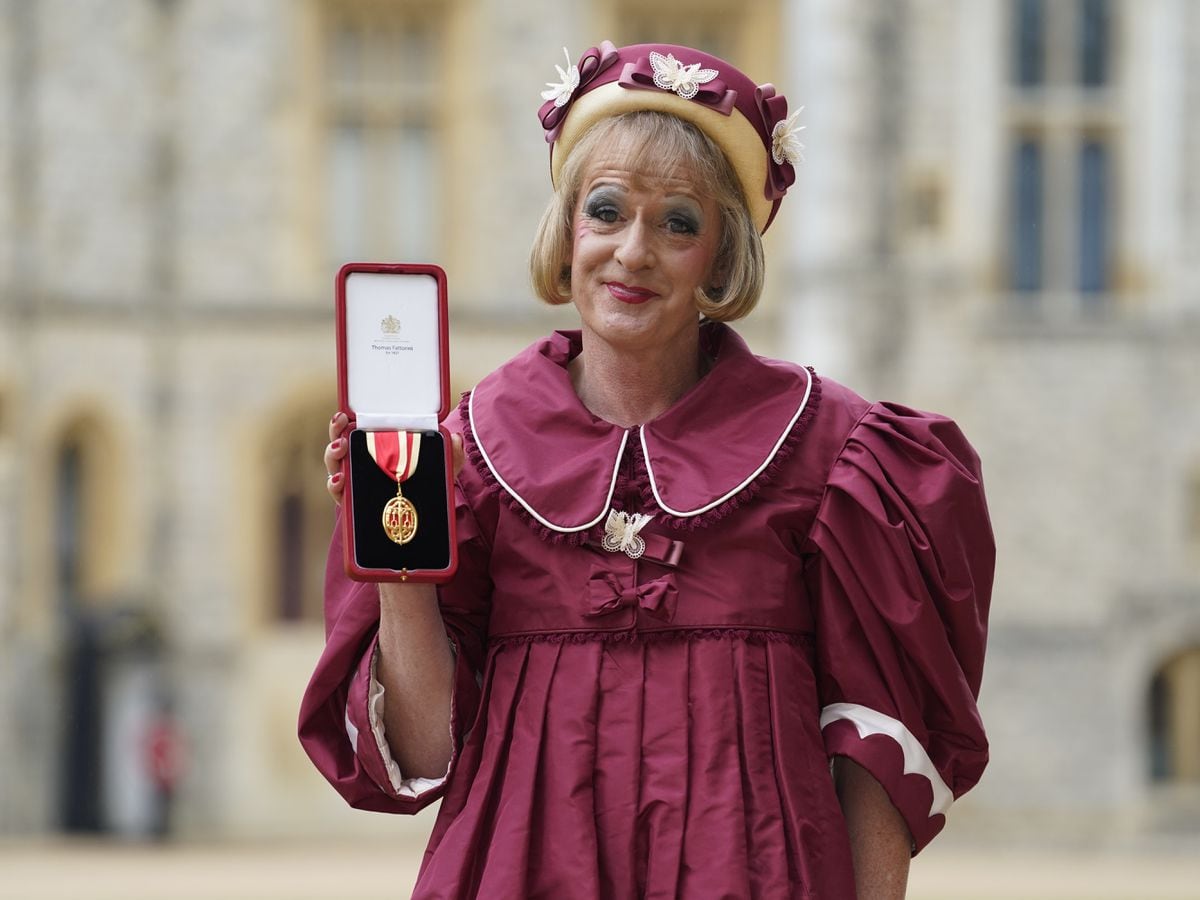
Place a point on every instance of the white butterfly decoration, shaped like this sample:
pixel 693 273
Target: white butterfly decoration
pixel 621 533
pixel 672 75
pixel 561 93
pixel 785 140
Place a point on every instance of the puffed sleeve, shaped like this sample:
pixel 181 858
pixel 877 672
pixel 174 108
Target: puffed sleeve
pixel 901 579
pixel 341 725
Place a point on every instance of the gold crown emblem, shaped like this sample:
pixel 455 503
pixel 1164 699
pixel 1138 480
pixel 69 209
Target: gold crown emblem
pixel 390 325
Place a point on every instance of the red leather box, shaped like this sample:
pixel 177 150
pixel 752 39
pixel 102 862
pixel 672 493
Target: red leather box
pixel 394 379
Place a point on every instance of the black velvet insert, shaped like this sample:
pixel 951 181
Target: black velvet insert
pixel 426 489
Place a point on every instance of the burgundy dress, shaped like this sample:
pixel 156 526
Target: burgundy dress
pixel 814 582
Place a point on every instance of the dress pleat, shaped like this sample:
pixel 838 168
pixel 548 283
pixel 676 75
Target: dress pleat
pixel 618 767
pixel 558 866
pixel 715 858
pixel 769 874
pixel 815 831
pixel 664 766
pixel 468 846
pixel 505 872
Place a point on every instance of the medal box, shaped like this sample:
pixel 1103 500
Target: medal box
pixel 394 386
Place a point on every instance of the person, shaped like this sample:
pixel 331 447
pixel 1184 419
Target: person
pixel 718 625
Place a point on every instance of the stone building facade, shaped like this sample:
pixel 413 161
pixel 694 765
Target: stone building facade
pixel 994 220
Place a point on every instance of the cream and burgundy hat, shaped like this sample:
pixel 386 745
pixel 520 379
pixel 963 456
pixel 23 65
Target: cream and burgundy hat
pixel 748 121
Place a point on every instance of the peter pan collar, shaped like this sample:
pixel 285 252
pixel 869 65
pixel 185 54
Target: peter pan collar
pixel 530 436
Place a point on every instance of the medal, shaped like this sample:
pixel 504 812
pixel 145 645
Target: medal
pixel 400 518
pixel 396 452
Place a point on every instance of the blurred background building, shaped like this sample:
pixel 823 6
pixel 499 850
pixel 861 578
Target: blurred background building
pixel 993 221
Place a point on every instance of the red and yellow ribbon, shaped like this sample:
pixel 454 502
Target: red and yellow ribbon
pixel 397 452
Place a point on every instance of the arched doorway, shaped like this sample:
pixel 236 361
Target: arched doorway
pixel 112 682
pixel 1173 719
pixel 80 780
pixel 300 513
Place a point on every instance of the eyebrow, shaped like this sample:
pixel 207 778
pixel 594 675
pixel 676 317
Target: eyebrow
pixel 603 188
pixel 617 188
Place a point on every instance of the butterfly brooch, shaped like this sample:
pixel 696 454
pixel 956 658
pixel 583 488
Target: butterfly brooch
pixel 621 533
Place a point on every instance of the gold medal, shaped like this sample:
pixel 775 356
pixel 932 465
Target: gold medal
pixel 397 453
pixel 400 519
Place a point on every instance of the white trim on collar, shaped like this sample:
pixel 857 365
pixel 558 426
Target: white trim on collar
pixel 766 462
pixel 563 529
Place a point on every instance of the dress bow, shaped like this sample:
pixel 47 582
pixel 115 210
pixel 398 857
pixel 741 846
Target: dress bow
pixel 561 97
pixel 606 595
pixel 781 171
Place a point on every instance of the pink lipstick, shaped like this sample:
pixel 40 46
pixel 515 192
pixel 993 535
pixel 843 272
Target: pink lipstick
pixel 627 294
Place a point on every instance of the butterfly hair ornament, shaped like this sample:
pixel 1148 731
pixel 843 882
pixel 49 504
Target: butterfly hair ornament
pixel 672 75
pixel 749 122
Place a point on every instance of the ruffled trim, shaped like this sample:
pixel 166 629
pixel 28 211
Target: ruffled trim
pixel 413 787
pixel 574 538
pixel 633 636
pixel 746 494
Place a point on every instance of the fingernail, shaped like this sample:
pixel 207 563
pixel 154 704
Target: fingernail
pixel 335 478
pixel 337 445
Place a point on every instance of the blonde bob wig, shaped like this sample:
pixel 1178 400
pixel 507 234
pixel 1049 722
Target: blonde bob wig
pixel 653 142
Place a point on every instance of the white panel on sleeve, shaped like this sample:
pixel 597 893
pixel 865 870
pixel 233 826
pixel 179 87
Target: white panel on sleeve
pixel 868 721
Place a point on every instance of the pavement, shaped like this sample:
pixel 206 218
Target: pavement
pixel 59 869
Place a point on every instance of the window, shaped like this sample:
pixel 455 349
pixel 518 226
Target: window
pixel 68 518
pixel 1063 130
pixel 746 33
pixel 1061 43
pixel 1093 42
pixel 382 72
pixel 1027 217
pixel 300 517
pixel 1093 216
pixel 711 31
pixel 1030 41
pixel 1173 719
